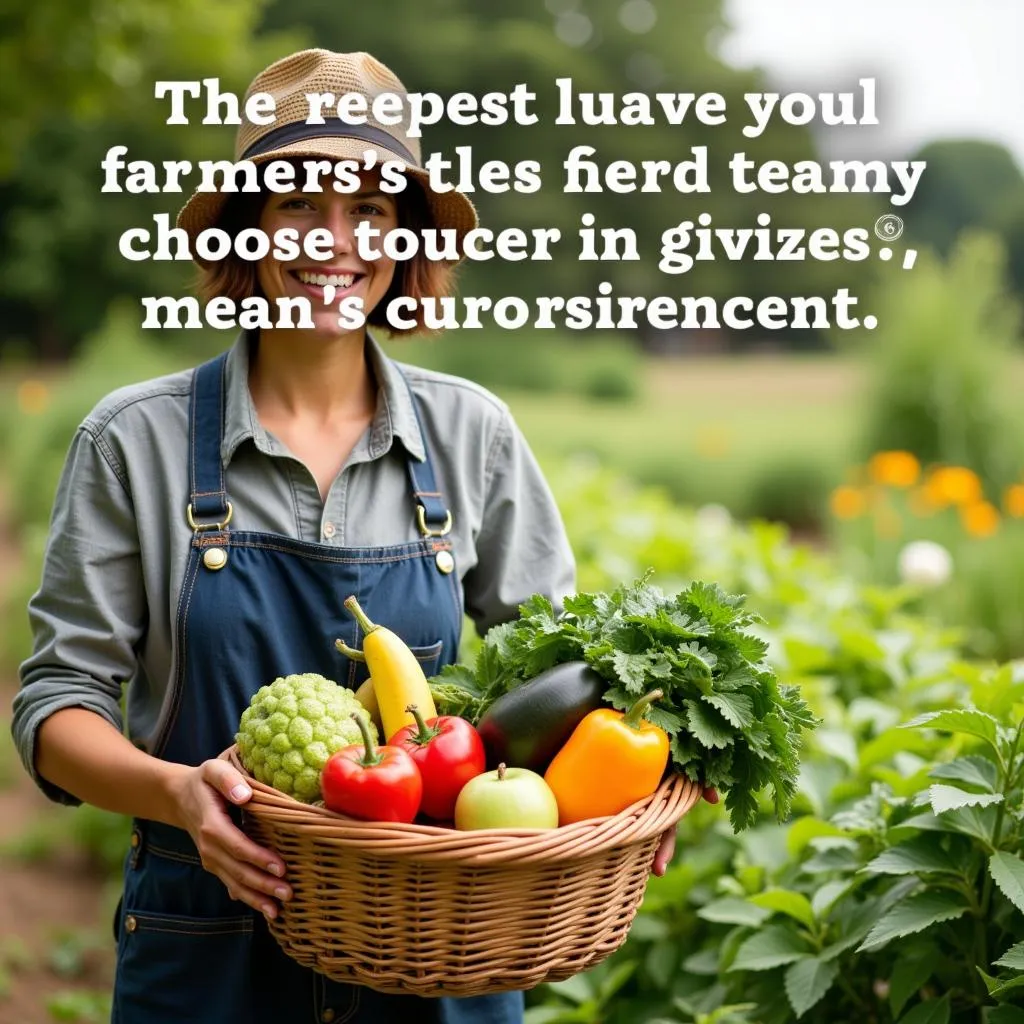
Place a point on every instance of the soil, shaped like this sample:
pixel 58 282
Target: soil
pixel 55 913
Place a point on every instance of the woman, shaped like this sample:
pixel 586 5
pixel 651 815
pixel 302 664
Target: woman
pixel 208 526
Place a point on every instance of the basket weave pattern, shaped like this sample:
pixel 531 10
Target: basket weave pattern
pixel 433 911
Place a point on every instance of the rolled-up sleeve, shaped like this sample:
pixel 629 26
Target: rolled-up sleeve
pixel 522 547
pixel 89 612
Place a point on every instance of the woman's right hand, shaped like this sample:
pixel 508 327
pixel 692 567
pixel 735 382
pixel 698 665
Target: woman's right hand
pixel 251 873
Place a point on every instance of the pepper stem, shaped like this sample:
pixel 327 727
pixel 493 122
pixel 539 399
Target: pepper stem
pixel 371 756
pixel 425 733
pixel 350 652
pixel 635 715
pixel 501 772
pixel 364 623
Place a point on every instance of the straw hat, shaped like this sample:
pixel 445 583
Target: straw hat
pixel 288 80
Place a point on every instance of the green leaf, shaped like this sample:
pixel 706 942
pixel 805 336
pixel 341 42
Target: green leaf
pixel 998 987
pixel 1005 1014
pixel 978 822
pixel 909 976
pixel 736 708
pixel 1012 958
pixel 969 721
pixel 708 725
pixel 916 856
pixel 807 982
pixel 934 1011
pixel 1007 872
pixel 730 910
pixel 794 904
pixel 826 895
pixel 772 947
pixel 973 771
pixel 950 798
pixel 914 914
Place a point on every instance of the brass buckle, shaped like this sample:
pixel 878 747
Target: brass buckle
pixel 421 519
pixel 208 526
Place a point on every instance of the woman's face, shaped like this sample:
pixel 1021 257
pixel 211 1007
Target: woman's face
pixel 338 213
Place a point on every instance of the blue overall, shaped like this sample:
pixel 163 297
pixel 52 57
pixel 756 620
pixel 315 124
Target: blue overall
pixel 186 950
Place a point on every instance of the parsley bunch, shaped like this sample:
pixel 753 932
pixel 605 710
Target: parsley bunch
pixel 732 725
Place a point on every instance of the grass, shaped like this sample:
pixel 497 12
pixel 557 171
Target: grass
pixel 709 430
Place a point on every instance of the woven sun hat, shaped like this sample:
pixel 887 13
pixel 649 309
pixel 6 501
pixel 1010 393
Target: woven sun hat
pixel 289 80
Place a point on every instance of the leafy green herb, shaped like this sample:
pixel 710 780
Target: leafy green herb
pixel 732 725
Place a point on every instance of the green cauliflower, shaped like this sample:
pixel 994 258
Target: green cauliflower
pixel 290 729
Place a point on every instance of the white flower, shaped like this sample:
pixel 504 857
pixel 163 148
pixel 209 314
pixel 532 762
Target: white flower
pixel 715 519
pixel 925 563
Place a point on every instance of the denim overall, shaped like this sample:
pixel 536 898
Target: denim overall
pixel 186 950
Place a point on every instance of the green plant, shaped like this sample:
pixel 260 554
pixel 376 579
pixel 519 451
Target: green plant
pixel 82 1006
pixel 940 363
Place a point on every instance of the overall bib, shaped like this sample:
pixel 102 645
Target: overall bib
pixel 273 606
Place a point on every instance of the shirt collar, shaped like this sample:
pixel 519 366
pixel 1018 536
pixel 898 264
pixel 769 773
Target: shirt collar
pixel 395 415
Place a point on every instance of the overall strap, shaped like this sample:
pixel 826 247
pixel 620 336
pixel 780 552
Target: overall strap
pixel 432 514
pixel 209 507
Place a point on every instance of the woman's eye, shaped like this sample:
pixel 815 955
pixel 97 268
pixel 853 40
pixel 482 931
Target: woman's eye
pixel 368 210
pixel 296 204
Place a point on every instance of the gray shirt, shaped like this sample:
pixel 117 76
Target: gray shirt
pixel 104 614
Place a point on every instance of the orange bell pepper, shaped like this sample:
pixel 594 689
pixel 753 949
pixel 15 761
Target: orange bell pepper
pixel 611 760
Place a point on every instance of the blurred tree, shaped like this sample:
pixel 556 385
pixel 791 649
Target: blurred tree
pixel 969 184
pixel 60 267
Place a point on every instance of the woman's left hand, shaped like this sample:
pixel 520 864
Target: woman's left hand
pixel 667 849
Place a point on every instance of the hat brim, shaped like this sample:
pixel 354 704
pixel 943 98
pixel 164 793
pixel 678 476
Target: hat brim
pixel 448 209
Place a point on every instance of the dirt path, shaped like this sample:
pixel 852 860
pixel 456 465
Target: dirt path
pixel 55 938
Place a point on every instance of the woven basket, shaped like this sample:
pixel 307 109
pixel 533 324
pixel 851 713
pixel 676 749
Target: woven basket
pixel 433 911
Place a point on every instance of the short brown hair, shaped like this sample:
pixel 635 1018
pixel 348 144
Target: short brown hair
pixel 417 278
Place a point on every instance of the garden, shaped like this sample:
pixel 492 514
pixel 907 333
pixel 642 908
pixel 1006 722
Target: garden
pixel 886 581
pixel 857 497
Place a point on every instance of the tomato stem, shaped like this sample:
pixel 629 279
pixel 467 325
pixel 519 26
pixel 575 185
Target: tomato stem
pixel 371 756
pixel 364 623
pixel 634 716
pixel 501 772
pixel 425 733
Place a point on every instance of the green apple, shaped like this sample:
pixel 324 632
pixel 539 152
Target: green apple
pixel 506 798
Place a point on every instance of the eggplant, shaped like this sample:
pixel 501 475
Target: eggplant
pixel 527 726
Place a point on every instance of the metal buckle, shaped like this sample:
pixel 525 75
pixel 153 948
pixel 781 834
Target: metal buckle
pixel 421 519
pixel 208 526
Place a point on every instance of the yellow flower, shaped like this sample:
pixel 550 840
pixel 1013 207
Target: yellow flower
pixel 894 469
pixel 1013 501
pixel 979 518
pixel 953 485
pixel 33 397
pixel 847 502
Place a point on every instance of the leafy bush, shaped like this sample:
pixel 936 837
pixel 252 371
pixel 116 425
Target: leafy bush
pixel 940 363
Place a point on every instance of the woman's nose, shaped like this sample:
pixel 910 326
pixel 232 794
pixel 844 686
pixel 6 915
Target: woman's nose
pixel 341 228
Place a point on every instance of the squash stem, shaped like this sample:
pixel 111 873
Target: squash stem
pixel 364 623
pixel 635 715
pixel 371 756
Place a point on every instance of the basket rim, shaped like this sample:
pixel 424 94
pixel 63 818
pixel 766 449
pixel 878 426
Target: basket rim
pixel 652 815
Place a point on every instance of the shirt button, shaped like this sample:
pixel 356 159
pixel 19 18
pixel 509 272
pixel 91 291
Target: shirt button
pixel 327 1016
pixel 329 530
pixel 130 924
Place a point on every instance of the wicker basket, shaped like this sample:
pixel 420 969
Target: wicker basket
pixel 432 911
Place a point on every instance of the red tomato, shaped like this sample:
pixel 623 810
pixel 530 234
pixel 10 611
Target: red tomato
pixel 375 783
pixel 448 752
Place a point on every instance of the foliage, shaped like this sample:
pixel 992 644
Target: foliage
pixel 940 364
pixel 895 824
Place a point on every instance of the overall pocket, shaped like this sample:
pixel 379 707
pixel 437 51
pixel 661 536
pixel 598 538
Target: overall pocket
pixel 172 968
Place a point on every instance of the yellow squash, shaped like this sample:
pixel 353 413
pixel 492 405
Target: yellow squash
pixel 397 676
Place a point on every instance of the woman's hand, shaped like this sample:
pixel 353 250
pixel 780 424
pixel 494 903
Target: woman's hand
pixel 666 851
pixel 250 873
